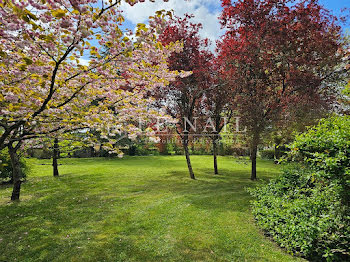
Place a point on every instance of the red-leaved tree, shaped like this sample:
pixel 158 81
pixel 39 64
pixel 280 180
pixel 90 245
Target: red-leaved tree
pixel 182 97
pixel 277 53
pixel 218 107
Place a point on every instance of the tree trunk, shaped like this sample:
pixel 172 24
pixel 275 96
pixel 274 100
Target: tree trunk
pixel 253 155
pixel 16 172
pixel 55 158
pixel 215 153
pixel 253 159
pixel 187 153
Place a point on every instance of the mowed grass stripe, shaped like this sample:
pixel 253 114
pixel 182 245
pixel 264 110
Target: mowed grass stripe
pixel 136 209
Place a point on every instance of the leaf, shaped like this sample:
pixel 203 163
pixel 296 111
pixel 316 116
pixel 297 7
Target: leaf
pixel 141 26
pixel 31 15
pixel 22 67
pixel 159 13
pixel 170 14
pixel 76 12
pixel 27 60
pixel 121 19
pixel 25 18
pixel 159 46
pixel 58 13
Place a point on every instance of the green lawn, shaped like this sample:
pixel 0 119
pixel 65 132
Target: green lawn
pixel 135 209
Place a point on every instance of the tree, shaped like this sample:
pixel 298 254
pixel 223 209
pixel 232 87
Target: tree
pixel 218 107
pixel 278 53
pixel 181 98
pixel 298 119
pixel 45 87
pixel 54 147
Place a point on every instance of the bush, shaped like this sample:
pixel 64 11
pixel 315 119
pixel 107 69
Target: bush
pixel 87 152
pixel 326 148
pixel 6 167
pixel 142 150
pixel 307 209
pixel 174 149
pixel 304 216
pixel 273 154
pixel 228 150
pixel 200 151
pixel 268 154
pixel 40 153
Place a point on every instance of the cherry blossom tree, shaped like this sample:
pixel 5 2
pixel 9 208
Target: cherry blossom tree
pixel 46 89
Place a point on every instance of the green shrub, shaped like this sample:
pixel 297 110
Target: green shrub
pixel 268 154
pixel 173 149
pixel 40 153
pixel 307 209
pixel 304 216
pixel 326 148
pixel 177 149
pixel 6 167
pixel 200 151
pixel 228 150
pixel 142 149
pixel 166 151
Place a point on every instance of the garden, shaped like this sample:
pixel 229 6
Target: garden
pixel 126 137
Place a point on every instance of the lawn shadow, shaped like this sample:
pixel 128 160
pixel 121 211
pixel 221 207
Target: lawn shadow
pixel 123 216
pixel 59 213
pixel 215 192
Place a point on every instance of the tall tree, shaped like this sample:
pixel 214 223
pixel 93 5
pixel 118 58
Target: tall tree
pixel 218 108
pixel 45 88
pixel 55 156
pixel 181 98
pixel 278 53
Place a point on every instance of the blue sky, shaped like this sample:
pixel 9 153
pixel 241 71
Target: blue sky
pixel 205 11
pixel 335 5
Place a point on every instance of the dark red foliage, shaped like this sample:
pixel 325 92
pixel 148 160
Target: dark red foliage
pixel 278 54
pixel 182 97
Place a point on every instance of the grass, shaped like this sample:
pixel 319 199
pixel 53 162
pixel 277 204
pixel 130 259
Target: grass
pixel 135 209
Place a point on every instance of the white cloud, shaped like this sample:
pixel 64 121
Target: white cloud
pixel 84 61
pixel 206 12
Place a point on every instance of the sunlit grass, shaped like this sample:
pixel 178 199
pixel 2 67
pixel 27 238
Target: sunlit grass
pixel 135 209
